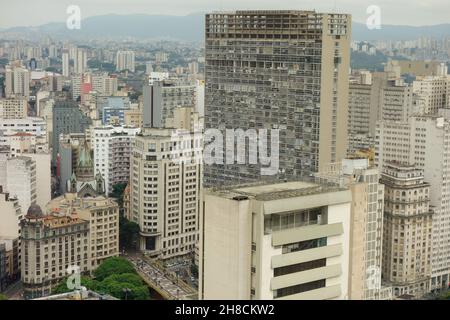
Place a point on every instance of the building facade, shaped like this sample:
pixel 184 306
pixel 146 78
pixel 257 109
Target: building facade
pixel 280 241
pixel 407 236
pixel 285 70
pixel 423 141
pixel 112 147
pixel 165 188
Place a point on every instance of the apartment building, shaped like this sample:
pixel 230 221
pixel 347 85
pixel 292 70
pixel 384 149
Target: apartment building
pixel 407 234
pixel 13 108
pixel 423 141
pixel 162 97
pixel 432 93
pixel 165 186
pixel 18 177
pixel 112 147
pixel 17 82
pixel 385 98
pixel 279 69
pixel 366 225
pixel 125 60
pixel 279 241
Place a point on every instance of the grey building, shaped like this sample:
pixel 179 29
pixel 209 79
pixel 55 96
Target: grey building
pixel 68 157
pixel 67 118
pixel 161 98
pixel 279 69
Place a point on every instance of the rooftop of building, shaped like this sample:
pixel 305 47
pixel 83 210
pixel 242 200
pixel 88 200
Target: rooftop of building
pixel 71 202
pixel 264 191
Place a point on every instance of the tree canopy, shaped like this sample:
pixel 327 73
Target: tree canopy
pixel 113 265
pixel 117 277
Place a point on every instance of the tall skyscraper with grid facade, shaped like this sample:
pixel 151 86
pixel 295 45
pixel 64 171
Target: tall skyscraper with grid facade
pixel 285 70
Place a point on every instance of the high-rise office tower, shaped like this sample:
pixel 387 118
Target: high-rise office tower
pixel 67 118
pixel 166 186
pixel 65 64
pixel 80 61
pixel 407 229
pixel 285 70
pixel 125 61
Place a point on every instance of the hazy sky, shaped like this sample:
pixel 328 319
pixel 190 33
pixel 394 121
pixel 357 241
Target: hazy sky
pixel 37 12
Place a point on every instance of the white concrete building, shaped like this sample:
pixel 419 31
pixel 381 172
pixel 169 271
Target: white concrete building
pixel 80 61
pixel 10 215
pixel 65 64
pixel 18 177
pixel 34 125
pixel 165 186
pixel 112 147
pixel 287 241
pixel 125 60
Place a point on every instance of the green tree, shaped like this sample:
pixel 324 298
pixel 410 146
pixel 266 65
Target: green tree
pixel 128 233
pixel 113 265
pixel 85 282
pixel 125 286
pixel 117 193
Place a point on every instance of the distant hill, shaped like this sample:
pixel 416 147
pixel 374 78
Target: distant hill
pixel 360 32
pixel 191 28
pixel 142 26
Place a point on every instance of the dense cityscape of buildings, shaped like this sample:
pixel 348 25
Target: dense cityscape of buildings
pixel 100 134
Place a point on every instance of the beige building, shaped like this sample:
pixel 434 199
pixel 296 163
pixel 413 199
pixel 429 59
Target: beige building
pixel 133 118
pixel 419 67
pixel 165 186
pixel 103 216
pixel 366 225
pixel 407 230
pixel 423 141
pixel 432 93
pixel 50 245
pixel 275 241
pixel 385 98
pixel 72 232
pixel 13 108
pixel 17 82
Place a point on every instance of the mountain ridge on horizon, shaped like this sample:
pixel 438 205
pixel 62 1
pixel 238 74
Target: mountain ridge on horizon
pixel 191 28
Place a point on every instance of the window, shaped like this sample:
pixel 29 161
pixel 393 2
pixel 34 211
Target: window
pixel 299 288
pixel 300 267
pixel 304 245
